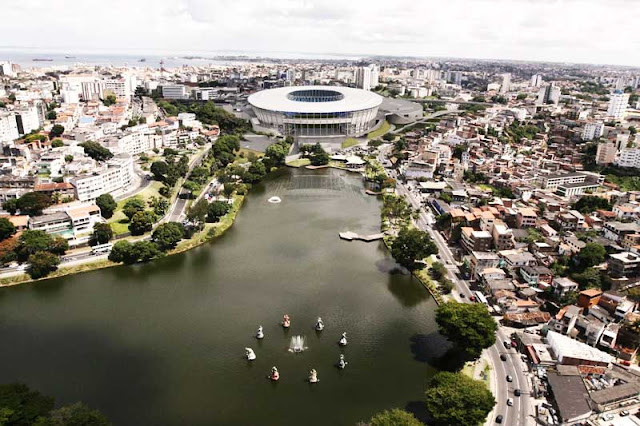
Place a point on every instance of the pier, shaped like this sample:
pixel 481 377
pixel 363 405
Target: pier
pixel 350 236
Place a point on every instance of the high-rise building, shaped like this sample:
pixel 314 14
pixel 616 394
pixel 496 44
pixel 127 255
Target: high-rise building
pixel 592 131
pixel 8 127
pixel 363 78
pixel 27 119
pixel 549 94
pixel 506 83
pixel 628 158
pixel 6 68
pixel 536 80
pixel 375 75
pixel 618 105
pixel 606 153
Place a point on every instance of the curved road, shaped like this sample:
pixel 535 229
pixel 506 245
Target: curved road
pixel 513 366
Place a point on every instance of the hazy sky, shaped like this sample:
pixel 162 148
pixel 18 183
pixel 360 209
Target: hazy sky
pixel 596 31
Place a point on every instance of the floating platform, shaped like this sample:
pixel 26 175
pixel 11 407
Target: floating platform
pixel 350 236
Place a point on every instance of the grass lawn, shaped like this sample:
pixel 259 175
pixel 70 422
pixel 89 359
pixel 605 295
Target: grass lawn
pixel 301 162
pixel 349 142
pixel 484 187
pixel 384 128
pixel 119 222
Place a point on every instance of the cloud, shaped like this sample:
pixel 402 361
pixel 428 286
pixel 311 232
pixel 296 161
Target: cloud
pixel 554 30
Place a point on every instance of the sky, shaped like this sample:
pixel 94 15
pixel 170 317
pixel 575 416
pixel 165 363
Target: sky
pixel 584 31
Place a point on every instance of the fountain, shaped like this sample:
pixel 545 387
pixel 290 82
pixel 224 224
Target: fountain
pixel 297 344
pixel 319 324
pixel 342 363
pixel 275 375
pixel 313 376
pixel 274 200
pixel 259 334
pixel 250 354
pixel 286 321
pixel 343 339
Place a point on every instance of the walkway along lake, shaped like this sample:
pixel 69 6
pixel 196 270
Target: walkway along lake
pixel 163 343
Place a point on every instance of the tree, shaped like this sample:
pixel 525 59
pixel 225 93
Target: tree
pixel 142 222
pixel 7 228
pixel 469 327
pixel 31 242
pixel 96 151
pixel 167 235
pixel 198 212
pixel 58 246
pixel 77 414
pixel 256 172
pixel 446 197
pixel 32 203
pixel 121 252
pixel 216 210
pixel 141 251
pixel 411 246
pixel 68 158
pixel 455 399
pixel 102 233
pixel 41 263
pixel 133 206
pixel 25 405
pixel 160 207
pixel 109 100
pixel 589 203
pixel 395 417
pixel 146 250
pixel 56 131
pixel 57 143
pixel 51 115
pixel 107 205
pixel 277 153
pixel 592 254
pixel 11 205
pixel 159 169
pixel 589 278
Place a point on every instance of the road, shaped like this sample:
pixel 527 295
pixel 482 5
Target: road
pixel 176 212
pixel 518 414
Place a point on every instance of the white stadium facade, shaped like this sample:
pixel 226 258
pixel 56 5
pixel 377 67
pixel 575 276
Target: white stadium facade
pixel 316 111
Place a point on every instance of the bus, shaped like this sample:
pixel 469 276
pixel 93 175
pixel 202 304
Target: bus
pixel 101 248
pixel 481 298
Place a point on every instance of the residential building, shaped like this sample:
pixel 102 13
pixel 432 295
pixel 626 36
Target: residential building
pixel 526 218
pixel 616 231
pixel 8 127
pixel 363 78
pixel 472 240
pixel 606 153
pixel 536 275
pixel 618 105
pixel 549 94
pixel 628 158
pixel 480 260
pixel 115 176
pixel 625 264
pixel 536 80
pixel 569 351
pixel 553 181
pixel 174 91
pixel 502 237
pixel 563 285
pixel 592 131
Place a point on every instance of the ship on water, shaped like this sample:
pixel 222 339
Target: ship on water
pixel 42 60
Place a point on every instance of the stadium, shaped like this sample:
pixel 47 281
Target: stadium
pixel 316 111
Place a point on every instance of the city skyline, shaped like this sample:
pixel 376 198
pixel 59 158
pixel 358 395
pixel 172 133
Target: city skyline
pixel 547 31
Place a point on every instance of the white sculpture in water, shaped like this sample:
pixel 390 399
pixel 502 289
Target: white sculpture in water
pixel 319 324
pixel 343 339
pixel 342 363
pixel 313 376
pixel 250 354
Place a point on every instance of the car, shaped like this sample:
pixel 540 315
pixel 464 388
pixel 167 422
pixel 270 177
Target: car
pixel 517 392
pixel 503 357
pixel 624 413
pixel 509 378
pixel 472 298
pixel 625 362
pixel 514 344
pixel 462 296
pixel 509 402
pixel 499 419
pixel 507 344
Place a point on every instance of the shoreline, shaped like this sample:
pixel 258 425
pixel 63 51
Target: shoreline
pixel 196 240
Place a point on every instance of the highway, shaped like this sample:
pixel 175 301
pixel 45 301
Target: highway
pixel 518 414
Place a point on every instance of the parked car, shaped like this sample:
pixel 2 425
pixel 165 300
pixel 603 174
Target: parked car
pixel 517 392
pixel 499 419
pixel 624 413
pixel 509 379
pixel 507 344
pixel 503 357
pixel 509 402
pixel 472 298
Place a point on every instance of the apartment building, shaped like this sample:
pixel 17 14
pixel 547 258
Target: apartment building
pixel 114 177
pixel 475 240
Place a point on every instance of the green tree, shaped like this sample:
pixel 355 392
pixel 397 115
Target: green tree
pixel 160 207
pixel 107 205
pixel 68 158
pixel 455 399
pixel 32 203
pixel 589 203
pixel 142 222
pixel 56 131
pixel 589 278
pixel 146 250
pixel 11 205
pixel 411 246
pixel 102 233
pixel 31 242
pixel 198 212
pixel 96 151
pixel 591 254
pixel 133 206
pixel 395 417
pixel 216 210
pixel 41 263
pixel 76 414
pixel 167 235
pixel 469 327
pixel 109 100
pixel 121 252
pixel 57 143
pixel 159 169
pixel 26 405
pixel 7 229
pixel 438 270
pixel 256 172
pixel 51 115
pixel 58 246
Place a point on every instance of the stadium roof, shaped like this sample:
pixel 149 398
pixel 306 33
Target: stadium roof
pixel 280 99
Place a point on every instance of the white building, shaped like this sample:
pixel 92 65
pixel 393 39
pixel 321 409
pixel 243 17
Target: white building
pixel 363 78
pixel 27 119
pixel 548 95
pixel 114 177
pixel 8 127
pixel 536 80
pixel 618 105
pixel 628 158
pixel 92 90
pixel 121 87
pixel 375 75
pixel 174 91
pixel 606 153
pixel 592 131
pixel 6 68
pixel 506 83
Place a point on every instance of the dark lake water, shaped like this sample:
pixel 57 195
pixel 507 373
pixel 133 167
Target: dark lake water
pixel 163 343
